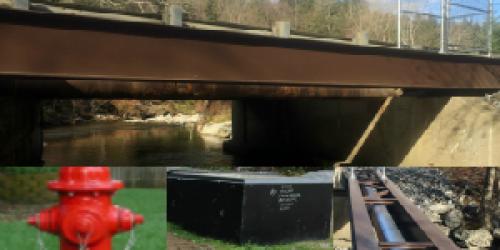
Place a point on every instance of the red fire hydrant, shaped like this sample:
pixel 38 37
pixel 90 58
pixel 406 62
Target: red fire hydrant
pixel 85 217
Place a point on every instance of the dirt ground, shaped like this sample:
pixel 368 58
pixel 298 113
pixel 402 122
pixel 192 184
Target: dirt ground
pixel 176 243
pixel 464 133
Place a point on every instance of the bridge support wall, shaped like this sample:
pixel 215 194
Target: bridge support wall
pixel 414 131
pixel 20 132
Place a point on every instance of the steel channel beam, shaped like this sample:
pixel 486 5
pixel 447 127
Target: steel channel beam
pixel 116 89
pixel 363 234
pixel 407 245
pixel 76 47
pixel 430 229
pixel 389 231
pixel 112 89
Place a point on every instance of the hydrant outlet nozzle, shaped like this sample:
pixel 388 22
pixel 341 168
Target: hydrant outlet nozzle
pixel 32 220
pixel 138 219
pixel 45 220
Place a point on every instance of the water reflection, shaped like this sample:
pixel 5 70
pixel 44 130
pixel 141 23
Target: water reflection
pixel 131 144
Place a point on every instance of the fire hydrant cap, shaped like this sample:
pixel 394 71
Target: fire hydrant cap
pixel 85 179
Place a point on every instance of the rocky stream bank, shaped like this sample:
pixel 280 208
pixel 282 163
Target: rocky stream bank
pixel 452 204
pixel 211 118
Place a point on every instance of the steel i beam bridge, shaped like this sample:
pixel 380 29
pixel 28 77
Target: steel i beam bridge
pixel 47 55
pixel 69 47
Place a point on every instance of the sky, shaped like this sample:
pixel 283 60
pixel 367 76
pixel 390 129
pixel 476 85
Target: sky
pixel 434 6
pixel 428 6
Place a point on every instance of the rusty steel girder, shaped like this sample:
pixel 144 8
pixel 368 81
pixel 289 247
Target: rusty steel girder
pixel 113 89
pixel 75 47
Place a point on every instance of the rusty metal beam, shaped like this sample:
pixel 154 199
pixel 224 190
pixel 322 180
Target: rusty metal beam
pixel 363 234
pixel 112 89
pixel 75 47
pixel 406 245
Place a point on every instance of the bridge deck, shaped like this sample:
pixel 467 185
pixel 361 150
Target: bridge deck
pixel 43 45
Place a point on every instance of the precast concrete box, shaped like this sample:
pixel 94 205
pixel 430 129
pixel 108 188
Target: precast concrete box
pixel 260 208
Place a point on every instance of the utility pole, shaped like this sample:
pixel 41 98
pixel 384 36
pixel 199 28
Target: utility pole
pixel 295 15
pixel 399 23
pixel 490 28
pixel 444 26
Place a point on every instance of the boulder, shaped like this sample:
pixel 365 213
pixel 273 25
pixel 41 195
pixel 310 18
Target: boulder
pixel 450 194
pixel 441 208
pixel 478 238
pixel 453 219
pixel 222 129
pixel 459 237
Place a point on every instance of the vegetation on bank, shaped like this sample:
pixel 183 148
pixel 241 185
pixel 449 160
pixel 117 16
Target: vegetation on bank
pixel 27 185
pixel 67 112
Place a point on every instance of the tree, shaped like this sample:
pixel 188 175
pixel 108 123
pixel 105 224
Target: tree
pixel 490 196
pixel 212 11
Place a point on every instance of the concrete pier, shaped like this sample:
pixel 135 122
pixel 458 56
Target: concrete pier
pixel 20 132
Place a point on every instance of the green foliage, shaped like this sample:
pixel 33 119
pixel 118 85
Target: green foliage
pixel 26 185
pixel 211 10
pixel 292 171
pixel 496 37
pixel 28 170
pixel 429 33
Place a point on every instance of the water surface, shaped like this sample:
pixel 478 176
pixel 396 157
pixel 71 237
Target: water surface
pixel 131 144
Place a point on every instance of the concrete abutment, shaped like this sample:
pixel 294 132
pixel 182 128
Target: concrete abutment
pixel 413 131
pixel 21 132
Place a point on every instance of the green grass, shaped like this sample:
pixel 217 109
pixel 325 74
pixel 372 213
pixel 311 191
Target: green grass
pixel 222 245
pixel 18 235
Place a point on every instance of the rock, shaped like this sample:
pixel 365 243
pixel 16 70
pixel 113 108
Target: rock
pixel 478 238
pixel 453 219
pixel 99 117
pixel 178 119
pixel 222 129
pixel 466 200
pixel 441 208
pixel 459 237
pixel 449 194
